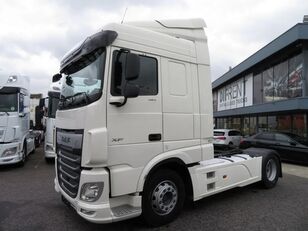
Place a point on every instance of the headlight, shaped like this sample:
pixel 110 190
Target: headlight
pixel 9 152
pixel 90 192
pixel 1 134
pixel 12 79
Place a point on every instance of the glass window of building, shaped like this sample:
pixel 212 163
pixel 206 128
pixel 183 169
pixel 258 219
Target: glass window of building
pixel 295 76
pixel 262 123
pixel 268 85
pixel 299 125
pixel 281 81
pixel 245 128
pixel 219 123
pixel 215 101
pixel 236 123
pixel 257 89
pixel 284 123
pixel 252 125
pixel 272 123
pixel 228 123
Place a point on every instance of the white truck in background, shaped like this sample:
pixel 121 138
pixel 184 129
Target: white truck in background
pixel 16 142
pixel 134 126
pixel 53 100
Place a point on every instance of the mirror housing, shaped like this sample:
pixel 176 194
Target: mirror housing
pixel 56 77
pixel 131 91
pixel 132 67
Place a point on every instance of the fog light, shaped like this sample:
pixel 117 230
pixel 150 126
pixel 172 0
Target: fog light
pixel 49 148
pixel 87 212
pixel 9 152
pixel 90 192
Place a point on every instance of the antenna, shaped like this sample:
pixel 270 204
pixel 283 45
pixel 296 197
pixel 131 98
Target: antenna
pixel 124 16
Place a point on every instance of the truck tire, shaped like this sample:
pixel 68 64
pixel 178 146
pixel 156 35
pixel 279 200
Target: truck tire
pixel 270 171
pixel 163 197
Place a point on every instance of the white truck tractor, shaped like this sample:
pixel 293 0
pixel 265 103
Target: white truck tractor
pixel 15 139
pixel 134 127
pixel 53 100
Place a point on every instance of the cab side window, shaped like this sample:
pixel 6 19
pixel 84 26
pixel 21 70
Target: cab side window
pixel 148 77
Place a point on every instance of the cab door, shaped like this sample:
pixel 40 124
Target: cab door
pixel 134 129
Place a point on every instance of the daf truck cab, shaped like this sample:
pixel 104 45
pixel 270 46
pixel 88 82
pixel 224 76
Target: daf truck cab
pixel 134 128
pixel 15 140
pixel 53 100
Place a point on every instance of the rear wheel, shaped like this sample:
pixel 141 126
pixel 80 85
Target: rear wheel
pixel 163 197
pixel 270 171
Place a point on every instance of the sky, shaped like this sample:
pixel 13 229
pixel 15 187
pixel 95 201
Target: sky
pixel 35 34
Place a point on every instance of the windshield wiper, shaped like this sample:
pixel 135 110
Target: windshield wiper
pixel 76 99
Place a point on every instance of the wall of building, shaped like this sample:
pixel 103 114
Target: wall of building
pixel 279 80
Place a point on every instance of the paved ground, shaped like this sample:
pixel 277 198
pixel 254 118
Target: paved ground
pixel 29 202
pixel 296 170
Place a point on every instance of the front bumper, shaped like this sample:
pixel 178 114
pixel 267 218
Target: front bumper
pixel 10 159
pixel 104 209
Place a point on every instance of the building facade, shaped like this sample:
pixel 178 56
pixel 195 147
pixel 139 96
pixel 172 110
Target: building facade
pixel 269 90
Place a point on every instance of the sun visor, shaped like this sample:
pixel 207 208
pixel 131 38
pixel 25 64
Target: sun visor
pixel 99 40
pixel 9 90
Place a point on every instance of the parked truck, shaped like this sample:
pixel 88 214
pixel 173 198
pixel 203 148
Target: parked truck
pixel 134 128
pixel 16 142
pixel 37 106
pixel 53 100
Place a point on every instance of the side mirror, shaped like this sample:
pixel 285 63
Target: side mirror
pixel 56 78
pixel 132 67
pixel 131 91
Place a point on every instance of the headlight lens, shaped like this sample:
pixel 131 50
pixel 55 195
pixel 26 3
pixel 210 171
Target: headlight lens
pixel 91 192
pixel 9 152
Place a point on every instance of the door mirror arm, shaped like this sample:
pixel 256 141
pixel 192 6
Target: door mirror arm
pixel 130 91
pixel 118 103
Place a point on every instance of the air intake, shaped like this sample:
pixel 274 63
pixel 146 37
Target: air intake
pixel 305 19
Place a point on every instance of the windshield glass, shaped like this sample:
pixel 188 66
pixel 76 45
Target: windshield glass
pixel 8 102
pixel 85 85
pixel 52 107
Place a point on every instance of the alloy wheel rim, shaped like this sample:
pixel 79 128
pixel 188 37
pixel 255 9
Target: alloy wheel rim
pixel 271 170
pixel 164 197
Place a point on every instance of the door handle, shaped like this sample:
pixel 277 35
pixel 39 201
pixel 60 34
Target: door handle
pixel 155 137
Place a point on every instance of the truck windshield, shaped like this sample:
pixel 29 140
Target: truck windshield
pixel 8 102
pixel 85 85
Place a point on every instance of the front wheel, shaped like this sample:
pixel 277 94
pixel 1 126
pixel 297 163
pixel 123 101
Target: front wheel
pixel 163 197
pixel 270 171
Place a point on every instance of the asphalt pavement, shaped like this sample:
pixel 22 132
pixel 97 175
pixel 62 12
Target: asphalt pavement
pixel 28 202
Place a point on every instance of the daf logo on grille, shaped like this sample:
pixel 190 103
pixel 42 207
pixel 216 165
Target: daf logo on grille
pixel 65 139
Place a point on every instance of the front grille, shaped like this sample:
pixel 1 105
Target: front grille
pixel 69 149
